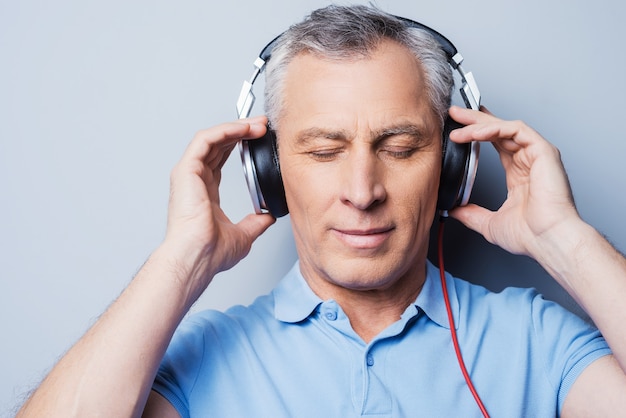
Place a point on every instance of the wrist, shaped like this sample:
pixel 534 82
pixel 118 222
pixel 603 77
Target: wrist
pixel 565 248
pixel 186 272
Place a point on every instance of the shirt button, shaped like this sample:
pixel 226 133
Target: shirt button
pixel 370 360
pixel 330 315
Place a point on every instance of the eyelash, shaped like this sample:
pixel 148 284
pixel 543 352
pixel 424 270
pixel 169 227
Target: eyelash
pixel 328 155
pixel 400 154
pixel 324 155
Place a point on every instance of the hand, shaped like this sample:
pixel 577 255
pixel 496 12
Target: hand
pixel 539 199
pixel 202 237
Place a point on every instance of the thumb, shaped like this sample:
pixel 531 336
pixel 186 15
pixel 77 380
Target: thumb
pixel 473 217
pixel 253 225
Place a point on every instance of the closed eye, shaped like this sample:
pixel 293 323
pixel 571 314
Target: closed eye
pixel 324 154
pixel 402 141
pixel 399 154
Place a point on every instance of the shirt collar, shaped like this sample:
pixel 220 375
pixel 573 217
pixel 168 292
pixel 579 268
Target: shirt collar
pixel 294 300
pixel 431 302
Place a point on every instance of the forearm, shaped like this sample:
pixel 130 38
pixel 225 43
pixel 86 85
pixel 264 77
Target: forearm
pixel 594 273
pixel 109 372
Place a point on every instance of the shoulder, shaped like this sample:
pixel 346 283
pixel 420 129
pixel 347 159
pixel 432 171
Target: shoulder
pixel 211 332
pixel 511 301
pixel 236 319
pixel 518 309
pixel 524 315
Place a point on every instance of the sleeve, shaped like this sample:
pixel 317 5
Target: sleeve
pixel 181 365
pixel 569 344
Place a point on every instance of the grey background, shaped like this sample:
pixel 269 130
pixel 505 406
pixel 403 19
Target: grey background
pixel 99 99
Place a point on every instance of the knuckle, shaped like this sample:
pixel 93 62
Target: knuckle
pixel 519 125
pixel 555 151
pixel 200 135
pixel 174 173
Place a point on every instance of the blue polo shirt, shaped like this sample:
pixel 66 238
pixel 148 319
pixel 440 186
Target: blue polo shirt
pixel 291 354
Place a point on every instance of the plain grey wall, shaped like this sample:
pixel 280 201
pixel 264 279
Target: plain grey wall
pixel 99 99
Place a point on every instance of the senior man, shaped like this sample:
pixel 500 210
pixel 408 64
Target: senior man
pixel 358 326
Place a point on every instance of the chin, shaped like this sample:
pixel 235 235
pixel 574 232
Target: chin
pixel 363 275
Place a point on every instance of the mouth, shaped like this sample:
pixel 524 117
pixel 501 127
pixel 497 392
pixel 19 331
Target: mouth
pixel 363 239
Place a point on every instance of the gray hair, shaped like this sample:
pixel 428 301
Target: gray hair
pixel 353 32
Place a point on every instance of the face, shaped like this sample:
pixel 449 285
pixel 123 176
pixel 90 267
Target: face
pixel 360 156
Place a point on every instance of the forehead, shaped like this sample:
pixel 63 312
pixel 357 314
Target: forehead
pixel 382 87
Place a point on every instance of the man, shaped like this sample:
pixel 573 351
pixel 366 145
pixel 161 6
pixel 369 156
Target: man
pixel 356 328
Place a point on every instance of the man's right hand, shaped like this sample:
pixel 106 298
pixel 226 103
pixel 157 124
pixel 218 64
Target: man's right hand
pixel 199 235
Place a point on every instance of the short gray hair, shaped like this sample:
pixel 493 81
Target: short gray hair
pixel 354 32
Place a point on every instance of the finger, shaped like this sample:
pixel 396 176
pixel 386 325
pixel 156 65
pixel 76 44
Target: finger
pixel 218 156
pixel 473 121
pixel 222 136
pixel 222 161
pixel 487 128
pixel 485 110
pixel 254 225
pixel 473 217
pixel 469 116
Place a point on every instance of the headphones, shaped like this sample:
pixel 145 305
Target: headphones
pixel 260 156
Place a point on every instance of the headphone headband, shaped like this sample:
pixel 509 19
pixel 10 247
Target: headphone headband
pixel 469 90
pixel 444 42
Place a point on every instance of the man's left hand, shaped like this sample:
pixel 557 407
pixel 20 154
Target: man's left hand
pixel 539 200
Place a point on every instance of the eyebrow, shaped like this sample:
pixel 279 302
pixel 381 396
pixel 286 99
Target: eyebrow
pixel 311 133
pixel 419 133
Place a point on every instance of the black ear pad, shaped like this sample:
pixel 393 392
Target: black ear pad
pixel 264 154
pixel 454 168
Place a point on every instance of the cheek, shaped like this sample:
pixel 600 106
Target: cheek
pixel 309 203
pixel 306 188
pixel 412 201
pixel 418 182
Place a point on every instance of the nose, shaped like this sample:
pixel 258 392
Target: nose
pixel 363 180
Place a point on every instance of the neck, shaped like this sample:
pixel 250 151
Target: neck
pixel 372 310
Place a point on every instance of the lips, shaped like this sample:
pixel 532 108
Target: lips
pixel 363 238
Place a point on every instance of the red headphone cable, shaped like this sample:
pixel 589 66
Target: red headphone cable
pixel 446 299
